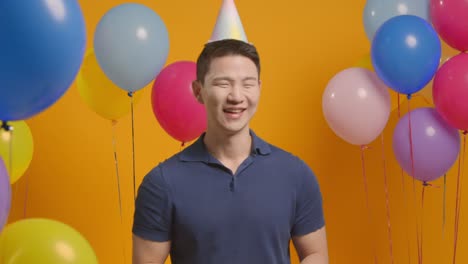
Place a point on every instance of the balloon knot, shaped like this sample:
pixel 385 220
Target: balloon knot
pixel 408 96
pixel 6 126
pixel 130 94
pixel 465 132
pixel 364 147
pixel 426 184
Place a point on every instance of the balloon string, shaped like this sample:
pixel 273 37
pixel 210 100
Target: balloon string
pixel 367 197
pixel 414 179
pixel 387 203
pixel 444 206
pixel 9 130
pixel 458 198
pixel 399 108
pixel 425 184
pixel 407 215
pixel 133 144
pixel 114 146
pixel 424 98
pixel 9 136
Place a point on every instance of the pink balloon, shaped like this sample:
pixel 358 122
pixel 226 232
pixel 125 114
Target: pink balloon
pixel 449 18
pixel 174 105
pixel 356 105
pixel 450 91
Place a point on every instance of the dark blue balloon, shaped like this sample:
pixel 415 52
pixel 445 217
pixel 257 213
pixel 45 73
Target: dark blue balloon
pixel 406 53
pixel 41 50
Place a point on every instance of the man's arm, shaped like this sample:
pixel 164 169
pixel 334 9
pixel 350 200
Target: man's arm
pixel 149 252
pixel 312 248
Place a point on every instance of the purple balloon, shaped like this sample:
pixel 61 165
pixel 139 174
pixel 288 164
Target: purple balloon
pixel 5 194
pixel 436 144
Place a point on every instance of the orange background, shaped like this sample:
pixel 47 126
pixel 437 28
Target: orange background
pixel 302 43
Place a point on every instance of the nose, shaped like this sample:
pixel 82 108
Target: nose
pixel 235 95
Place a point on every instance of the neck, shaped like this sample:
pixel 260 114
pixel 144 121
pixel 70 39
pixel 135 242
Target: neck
pixel 228 147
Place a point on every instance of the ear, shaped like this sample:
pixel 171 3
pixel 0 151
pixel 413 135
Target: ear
pixel 196 88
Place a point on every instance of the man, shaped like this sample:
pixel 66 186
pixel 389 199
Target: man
pixel 230 197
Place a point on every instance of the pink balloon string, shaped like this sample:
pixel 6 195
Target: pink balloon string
pixel 366 191
pixel 458 198
pixel 414 180
pixel 387 199
pixel 407 214
pixel 425 184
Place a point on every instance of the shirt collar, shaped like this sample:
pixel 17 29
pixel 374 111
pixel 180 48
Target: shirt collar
pixel 197 151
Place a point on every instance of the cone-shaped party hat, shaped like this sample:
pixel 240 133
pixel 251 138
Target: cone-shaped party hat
pixel 228 25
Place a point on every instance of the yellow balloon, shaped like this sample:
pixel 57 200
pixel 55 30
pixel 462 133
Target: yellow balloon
pixel 100 93
pixel 38 240
pixel 21 149
pixel 366 62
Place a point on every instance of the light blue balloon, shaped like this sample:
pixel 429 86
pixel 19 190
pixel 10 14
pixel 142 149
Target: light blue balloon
pixel 131 44
pixel 376 12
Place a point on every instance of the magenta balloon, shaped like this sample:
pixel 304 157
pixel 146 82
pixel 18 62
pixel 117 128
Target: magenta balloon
pixel 450 91
pixel 435 144
pixel 174 105
pixel 449 18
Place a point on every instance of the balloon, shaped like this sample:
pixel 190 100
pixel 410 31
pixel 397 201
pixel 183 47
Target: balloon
pixel 21 148
pixel 435 144
pixel 366 62
pixel 174 105
pixel 41 51
pixel 100 93
pixel 450 91
pixel 449 19
pixel 37 240
pixel 356 105
pixel 131 44
pixel 405 53
pixel 447 53
pixel 5 194
pixel 376 12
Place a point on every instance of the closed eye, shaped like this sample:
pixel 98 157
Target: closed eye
pixel 249 85
pixel 221 84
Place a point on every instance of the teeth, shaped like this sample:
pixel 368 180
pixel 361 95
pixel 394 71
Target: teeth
pixel 233 110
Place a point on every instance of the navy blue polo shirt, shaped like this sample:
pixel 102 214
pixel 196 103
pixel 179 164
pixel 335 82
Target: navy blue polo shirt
pixel 212 216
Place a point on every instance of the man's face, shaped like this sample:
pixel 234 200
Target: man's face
pixel 230 93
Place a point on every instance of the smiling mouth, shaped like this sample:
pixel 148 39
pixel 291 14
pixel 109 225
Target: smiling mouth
pixel 234 112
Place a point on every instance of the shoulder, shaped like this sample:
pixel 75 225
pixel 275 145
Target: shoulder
pixel 290 163
pixel 171 168
pixel 287 158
